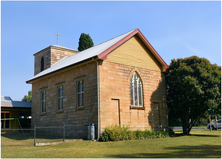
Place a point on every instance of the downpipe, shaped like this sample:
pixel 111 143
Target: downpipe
pixel 98 100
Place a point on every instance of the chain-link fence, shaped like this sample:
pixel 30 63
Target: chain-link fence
pixel 52 134
pixel 75 132
pixel 48 134
pixel 42 134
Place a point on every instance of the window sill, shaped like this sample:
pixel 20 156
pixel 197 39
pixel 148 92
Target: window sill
pixel 59 111
pixel 42 114
pixel 139 108
pixel 80 108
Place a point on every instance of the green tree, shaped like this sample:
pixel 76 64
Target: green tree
pixel 85 42
pixel 28 98
pixel 193 87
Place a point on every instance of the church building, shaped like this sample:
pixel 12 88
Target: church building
pixel 120 81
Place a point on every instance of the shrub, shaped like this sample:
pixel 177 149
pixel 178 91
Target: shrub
pixel 139 134
pixel 131 135
pixel 124 133
pixel 118 133
pixel 147 134
pixel 153 134
pixel 165 134
pixel 113 131
pixel 158 134
pixel 104 137
pixel 171 132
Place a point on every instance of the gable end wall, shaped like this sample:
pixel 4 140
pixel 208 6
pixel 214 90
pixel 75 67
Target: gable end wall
pixel 135 53
pixel 115 84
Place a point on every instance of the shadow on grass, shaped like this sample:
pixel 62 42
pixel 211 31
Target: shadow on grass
pixel 20 136
pixel 202 151
pixel 17 136
pixel 197 135
pixel 205 135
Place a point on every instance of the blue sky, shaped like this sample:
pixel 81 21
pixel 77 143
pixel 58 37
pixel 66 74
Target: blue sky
pixel 176 29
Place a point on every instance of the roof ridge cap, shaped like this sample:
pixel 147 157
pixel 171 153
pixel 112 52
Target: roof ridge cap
pixel 117 36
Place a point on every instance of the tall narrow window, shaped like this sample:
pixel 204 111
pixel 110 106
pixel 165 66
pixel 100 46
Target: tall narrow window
pixel 136 90
pixel 43 101
pixel 80 93
pixel 60 98
pixel 42 64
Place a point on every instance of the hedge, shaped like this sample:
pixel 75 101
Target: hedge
pixel 118 133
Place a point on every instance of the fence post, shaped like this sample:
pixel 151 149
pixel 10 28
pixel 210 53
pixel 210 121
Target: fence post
pixel 216 122
pixel 210 123
pixel 63 132
pixel 34 134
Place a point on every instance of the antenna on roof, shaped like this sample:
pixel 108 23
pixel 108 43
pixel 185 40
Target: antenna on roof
pixel 57 37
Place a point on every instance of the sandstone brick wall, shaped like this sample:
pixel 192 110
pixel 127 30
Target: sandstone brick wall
pixel 58 53
pixel 115 88
pixel 51 55
pixel 115 102
pixel 71 115
pixel 47 60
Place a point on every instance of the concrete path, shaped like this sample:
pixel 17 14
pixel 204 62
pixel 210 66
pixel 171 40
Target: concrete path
pixel 205 129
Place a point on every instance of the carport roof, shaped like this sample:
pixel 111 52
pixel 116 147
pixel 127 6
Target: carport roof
pixel 8 102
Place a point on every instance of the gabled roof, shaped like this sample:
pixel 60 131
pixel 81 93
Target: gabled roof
pixel 9 103
pixel 100 51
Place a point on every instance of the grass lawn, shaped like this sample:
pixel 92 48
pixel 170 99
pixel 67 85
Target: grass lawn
pixel 19 139
pixel 200 144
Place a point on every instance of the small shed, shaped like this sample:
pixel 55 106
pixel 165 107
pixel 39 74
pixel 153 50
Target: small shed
pixel 14 111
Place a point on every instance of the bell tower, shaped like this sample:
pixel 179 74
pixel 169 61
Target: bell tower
pixel 50 55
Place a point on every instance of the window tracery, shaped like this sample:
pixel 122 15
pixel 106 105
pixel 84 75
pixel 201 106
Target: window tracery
pixel 136 90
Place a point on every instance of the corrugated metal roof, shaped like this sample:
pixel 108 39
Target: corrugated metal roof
pixel 16 104
pixel 5 98
pixel 99 51
pixel 7 102
pixel 81 56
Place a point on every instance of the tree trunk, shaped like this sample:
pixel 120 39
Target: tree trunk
pixel 185 124
pixel 186 131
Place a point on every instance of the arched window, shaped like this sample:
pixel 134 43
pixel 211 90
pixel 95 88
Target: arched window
pixel 42 64
pixel 136 90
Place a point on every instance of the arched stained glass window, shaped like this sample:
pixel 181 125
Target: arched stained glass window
pixel 42 64
pixel 136 90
